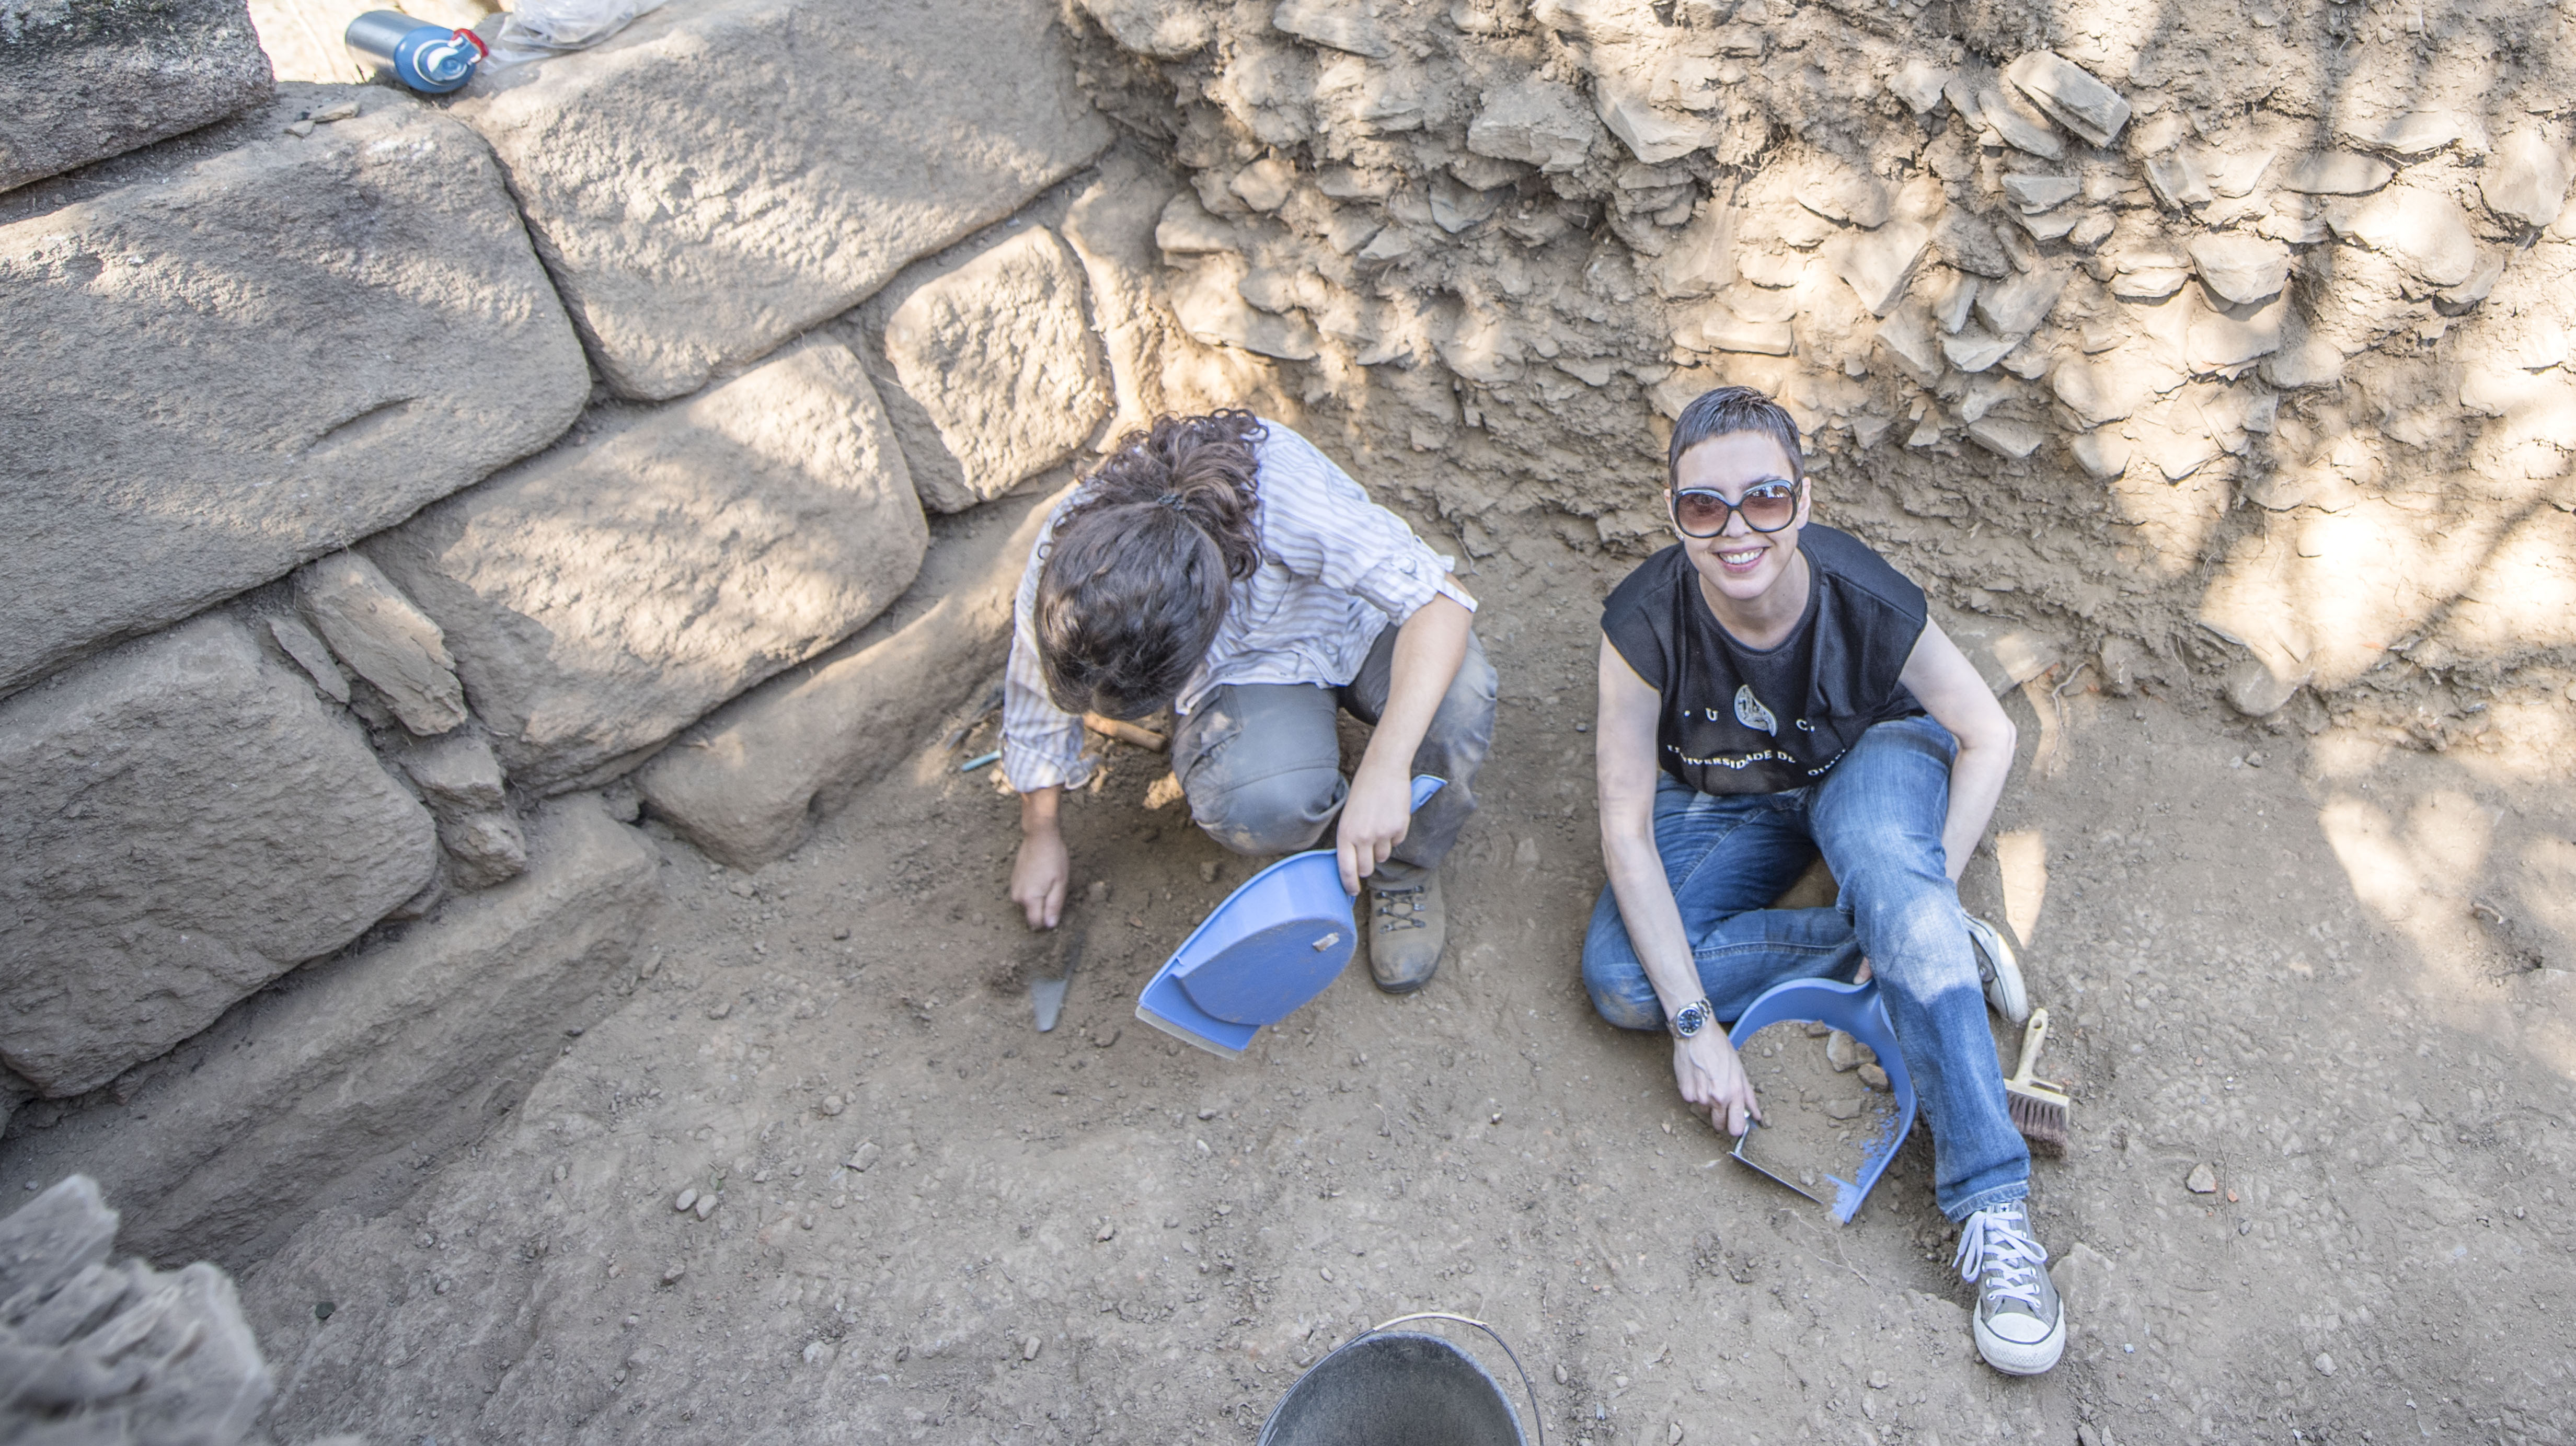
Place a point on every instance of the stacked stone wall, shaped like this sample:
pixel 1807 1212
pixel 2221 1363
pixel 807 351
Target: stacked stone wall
pixel 391 476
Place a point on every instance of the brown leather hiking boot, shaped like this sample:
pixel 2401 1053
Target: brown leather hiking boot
pixel 1407 929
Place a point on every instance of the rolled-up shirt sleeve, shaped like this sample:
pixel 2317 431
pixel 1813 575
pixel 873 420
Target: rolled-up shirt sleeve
pixel 1320 523
pixel 1041 743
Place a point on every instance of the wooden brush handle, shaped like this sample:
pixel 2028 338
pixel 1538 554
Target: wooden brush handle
pixel 2033 1035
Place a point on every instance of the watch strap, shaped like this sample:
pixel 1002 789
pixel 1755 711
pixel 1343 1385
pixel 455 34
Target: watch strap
pixel 1706 1015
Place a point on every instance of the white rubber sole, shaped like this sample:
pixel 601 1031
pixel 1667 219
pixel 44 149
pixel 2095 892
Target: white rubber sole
pixel 2009 995
pixel 2014 1358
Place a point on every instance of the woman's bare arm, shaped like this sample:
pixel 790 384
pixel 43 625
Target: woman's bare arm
pixel 1704 1066
pixel 1947 685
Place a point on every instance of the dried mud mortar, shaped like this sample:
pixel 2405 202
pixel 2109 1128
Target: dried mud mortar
pixel 1101 1234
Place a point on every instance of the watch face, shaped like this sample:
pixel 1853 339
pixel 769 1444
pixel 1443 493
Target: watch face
pixel 1691 1020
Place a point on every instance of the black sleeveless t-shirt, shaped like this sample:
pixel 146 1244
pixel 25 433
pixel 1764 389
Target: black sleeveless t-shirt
pixel 1754 720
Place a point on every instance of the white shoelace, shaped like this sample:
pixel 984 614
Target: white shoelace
pixel 1993 1238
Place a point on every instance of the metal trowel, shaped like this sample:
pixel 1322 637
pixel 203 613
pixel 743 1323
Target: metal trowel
pixel 1048 994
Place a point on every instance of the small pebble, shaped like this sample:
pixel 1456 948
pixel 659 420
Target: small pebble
pixel 805 1221
pixel 687 1198
pixel 672 1275
pixel 1225 1209
pixel 1873 1076
pixel 1107 1231
pixel 300 128
pixel 1207 872
pixel 1816 1030
pixel 1103 1041
pixel 1326 1272
pixel 834 1104
pixel 1878 1380
pixel 1207 1114
pixel 841 933
pixel 340 112
pixel 2202 1180
pixel 322 1311
pixel 1029 1348
pixel 1843 1109
pixel 1098 893
pixel 706 1206
pixel 819 1353
pixel 720 1009
pixel 1562 1374
pixel 864 1156
pixel 2324 1363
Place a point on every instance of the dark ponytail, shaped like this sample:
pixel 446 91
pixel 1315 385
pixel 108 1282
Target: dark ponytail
pixel 1135 584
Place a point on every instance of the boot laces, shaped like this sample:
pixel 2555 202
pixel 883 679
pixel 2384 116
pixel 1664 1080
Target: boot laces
pixel 1408 895
pixel 1998 1241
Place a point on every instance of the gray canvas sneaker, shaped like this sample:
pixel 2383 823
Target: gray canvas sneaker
pixel 1999 971
pixel 2020 1324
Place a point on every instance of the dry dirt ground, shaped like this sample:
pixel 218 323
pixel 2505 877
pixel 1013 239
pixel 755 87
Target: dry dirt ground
pixel 2314 965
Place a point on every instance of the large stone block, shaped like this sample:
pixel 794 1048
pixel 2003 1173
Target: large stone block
pixel 329 1090
pixel 603 596
pixel 99 78
pixel 236 352
pixel 726 173
pixel 759 771
pixel 181 821
pixel 1000 360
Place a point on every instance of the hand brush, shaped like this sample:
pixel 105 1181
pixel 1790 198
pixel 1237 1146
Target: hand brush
pixel 2039 1109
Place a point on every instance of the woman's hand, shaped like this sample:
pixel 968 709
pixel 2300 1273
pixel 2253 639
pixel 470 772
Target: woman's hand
pixel 1375 818
pixel 1043 869
pixel 1712 1079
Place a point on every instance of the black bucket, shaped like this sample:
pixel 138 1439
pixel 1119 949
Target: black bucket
pixel 1386 1387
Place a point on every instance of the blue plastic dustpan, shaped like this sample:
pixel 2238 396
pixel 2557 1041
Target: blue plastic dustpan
pixel 1274 944
pixel 1856 1010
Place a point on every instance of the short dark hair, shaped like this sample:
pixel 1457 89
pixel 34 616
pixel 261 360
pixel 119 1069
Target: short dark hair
pixel 1728 410
pixel 1137 576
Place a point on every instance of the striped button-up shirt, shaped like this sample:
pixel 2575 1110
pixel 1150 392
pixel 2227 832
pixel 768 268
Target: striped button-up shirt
pixel 1335 570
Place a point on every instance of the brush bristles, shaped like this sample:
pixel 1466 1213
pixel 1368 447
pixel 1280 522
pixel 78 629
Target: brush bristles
pixel 2042 1121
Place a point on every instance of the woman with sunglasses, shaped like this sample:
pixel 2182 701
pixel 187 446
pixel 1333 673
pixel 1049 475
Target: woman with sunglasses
pixel 1772 689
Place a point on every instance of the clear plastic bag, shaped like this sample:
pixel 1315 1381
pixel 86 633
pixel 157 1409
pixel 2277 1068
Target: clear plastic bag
pixel 535 29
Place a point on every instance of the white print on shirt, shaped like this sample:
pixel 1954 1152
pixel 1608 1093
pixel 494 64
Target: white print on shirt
pixel 1742 761
pixel 1750 712
pixel 1737 760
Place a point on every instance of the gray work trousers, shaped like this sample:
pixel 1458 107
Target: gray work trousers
pixel 1262 766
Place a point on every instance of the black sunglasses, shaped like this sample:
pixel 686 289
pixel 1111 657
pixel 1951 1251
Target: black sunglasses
pixel 1767 507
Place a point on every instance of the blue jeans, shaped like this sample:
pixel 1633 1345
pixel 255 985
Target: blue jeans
pixel 1877 820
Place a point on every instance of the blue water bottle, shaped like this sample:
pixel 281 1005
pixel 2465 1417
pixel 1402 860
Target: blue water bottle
pixel 429 58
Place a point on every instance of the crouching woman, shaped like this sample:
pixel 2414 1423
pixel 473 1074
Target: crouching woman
pixel 1772 689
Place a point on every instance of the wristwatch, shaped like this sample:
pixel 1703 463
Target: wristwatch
pixel 1690 1019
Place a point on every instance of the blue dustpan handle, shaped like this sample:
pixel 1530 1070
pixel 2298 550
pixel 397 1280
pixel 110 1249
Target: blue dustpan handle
pixel 1424 785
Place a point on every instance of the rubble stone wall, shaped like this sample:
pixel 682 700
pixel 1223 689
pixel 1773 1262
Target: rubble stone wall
pixel 2232 352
